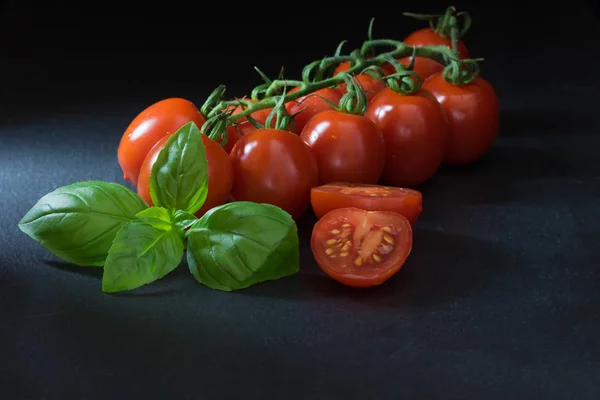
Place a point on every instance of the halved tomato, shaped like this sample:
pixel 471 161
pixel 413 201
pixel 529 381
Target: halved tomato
pixel 361 248
pixel 325 198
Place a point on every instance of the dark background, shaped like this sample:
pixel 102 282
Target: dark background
pixel 499 298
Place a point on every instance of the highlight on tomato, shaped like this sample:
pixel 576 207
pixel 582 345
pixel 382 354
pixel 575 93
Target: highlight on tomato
pixel 347 145
pixel 415 131
pixel 360 248
pixel 335 195
pixel 274 166
pixel 158 120
pixel 473 113
pixel 220 174
pixel 306 107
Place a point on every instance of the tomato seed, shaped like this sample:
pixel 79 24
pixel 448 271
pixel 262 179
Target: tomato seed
pixel 385 249
pixel 335 231
pixel 388 239
pixel 387 229
pixel 346 226
pixel 376 258
pixel 358 261
pixel 329 251
pixel 331 241
pixel 344 254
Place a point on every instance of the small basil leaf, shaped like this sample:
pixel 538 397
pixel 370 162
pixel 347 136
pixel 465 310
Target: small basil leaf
pixel 158 217
pixel 141 253
pixel 239 244
pixel 179 178
pixel 183 220
pixel 79 222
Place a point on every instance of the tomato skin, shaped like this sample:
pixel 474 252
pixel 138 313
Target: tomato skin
pixel 220 174
pixel 415 131
pixel 276 167
pixel 348 147
pixel 473 112
pixel 160 119
pixel 423 66
pixel 329 197
pixel 312 104
pixel 343 264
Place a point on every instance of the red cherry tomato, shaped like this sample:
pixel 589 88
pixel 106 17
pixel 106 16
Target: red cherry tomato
pixel 329 197
pixel 361 248
pixel 220 174
pixel 423 66
pixel 415 131
pixel 148 127
pixel 276 167
pixel 473 112
pixel 369 84
pixel 312 104
pixel 348 147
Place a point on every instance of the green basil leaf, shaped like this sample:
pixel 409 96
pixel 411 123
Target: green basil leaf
pixel 79 222
pixel 158 217
pixel 179 178
pixel 183 220
pixel 142 252
pixel 239 244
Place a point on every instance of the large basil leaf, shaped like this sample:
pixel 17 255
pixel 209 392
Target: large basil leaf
pixel 79 222
pixel 239 244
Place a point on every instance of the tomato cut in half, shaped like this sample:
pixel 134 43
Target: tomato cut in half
pixel 360 248
pixel 404 201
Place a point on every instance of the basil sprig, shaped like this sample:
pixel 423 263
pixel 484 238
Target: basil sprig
pixel 104 224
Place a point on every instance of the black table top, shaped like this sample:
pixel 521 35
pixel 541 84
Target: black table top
pixel 499 298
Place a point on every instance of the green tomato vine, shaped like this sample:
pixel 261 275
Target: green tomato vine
pixel 317 75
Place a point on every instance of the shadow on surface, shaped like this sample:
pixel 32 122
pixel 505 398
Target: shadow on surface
pixel 540 122
pixel 454 270
pixel 75 269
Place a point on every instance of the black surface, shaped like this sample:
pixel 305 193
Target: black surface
pixel 499 298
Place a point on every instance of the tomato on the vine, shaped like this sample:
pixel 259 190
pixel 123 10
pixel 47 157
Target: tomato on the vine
pixel 425 67
pixel 473 112
pixel 329 197
pixel 312 104
pixel 415 131
pixel 148 127
pixel 348 147
pixel 276 167
pixel 360 248
pixel 220 174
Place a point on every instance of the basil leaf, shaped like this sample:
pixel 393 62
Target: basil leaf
pixel 158 217
pixel 184 220
pixel 143 252
pixel 79 222
pixel 239 244
pixel 179 178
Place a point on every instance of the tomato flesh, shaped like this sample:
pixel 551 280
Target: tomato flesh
pixel 360 248
pixel 404 201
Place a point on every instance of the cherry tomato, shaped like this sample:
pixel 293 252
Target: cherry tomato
pixel 220 174
pixel 276 167
pixel 148 127
pixel 369 84
pixel 415 131
pixel 348 147
pixel 360 248
pixel 329 197
pixel 473 112
pixel 423 66
pixel 310 105
pixel 387 68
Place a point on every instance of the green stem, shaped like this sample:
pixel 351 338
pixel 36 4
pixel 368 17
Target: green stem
pixel 441 54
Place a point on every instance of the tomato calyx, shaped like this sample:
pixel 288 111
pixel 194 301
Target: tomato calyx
pixel 354 101
pixel 442 24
